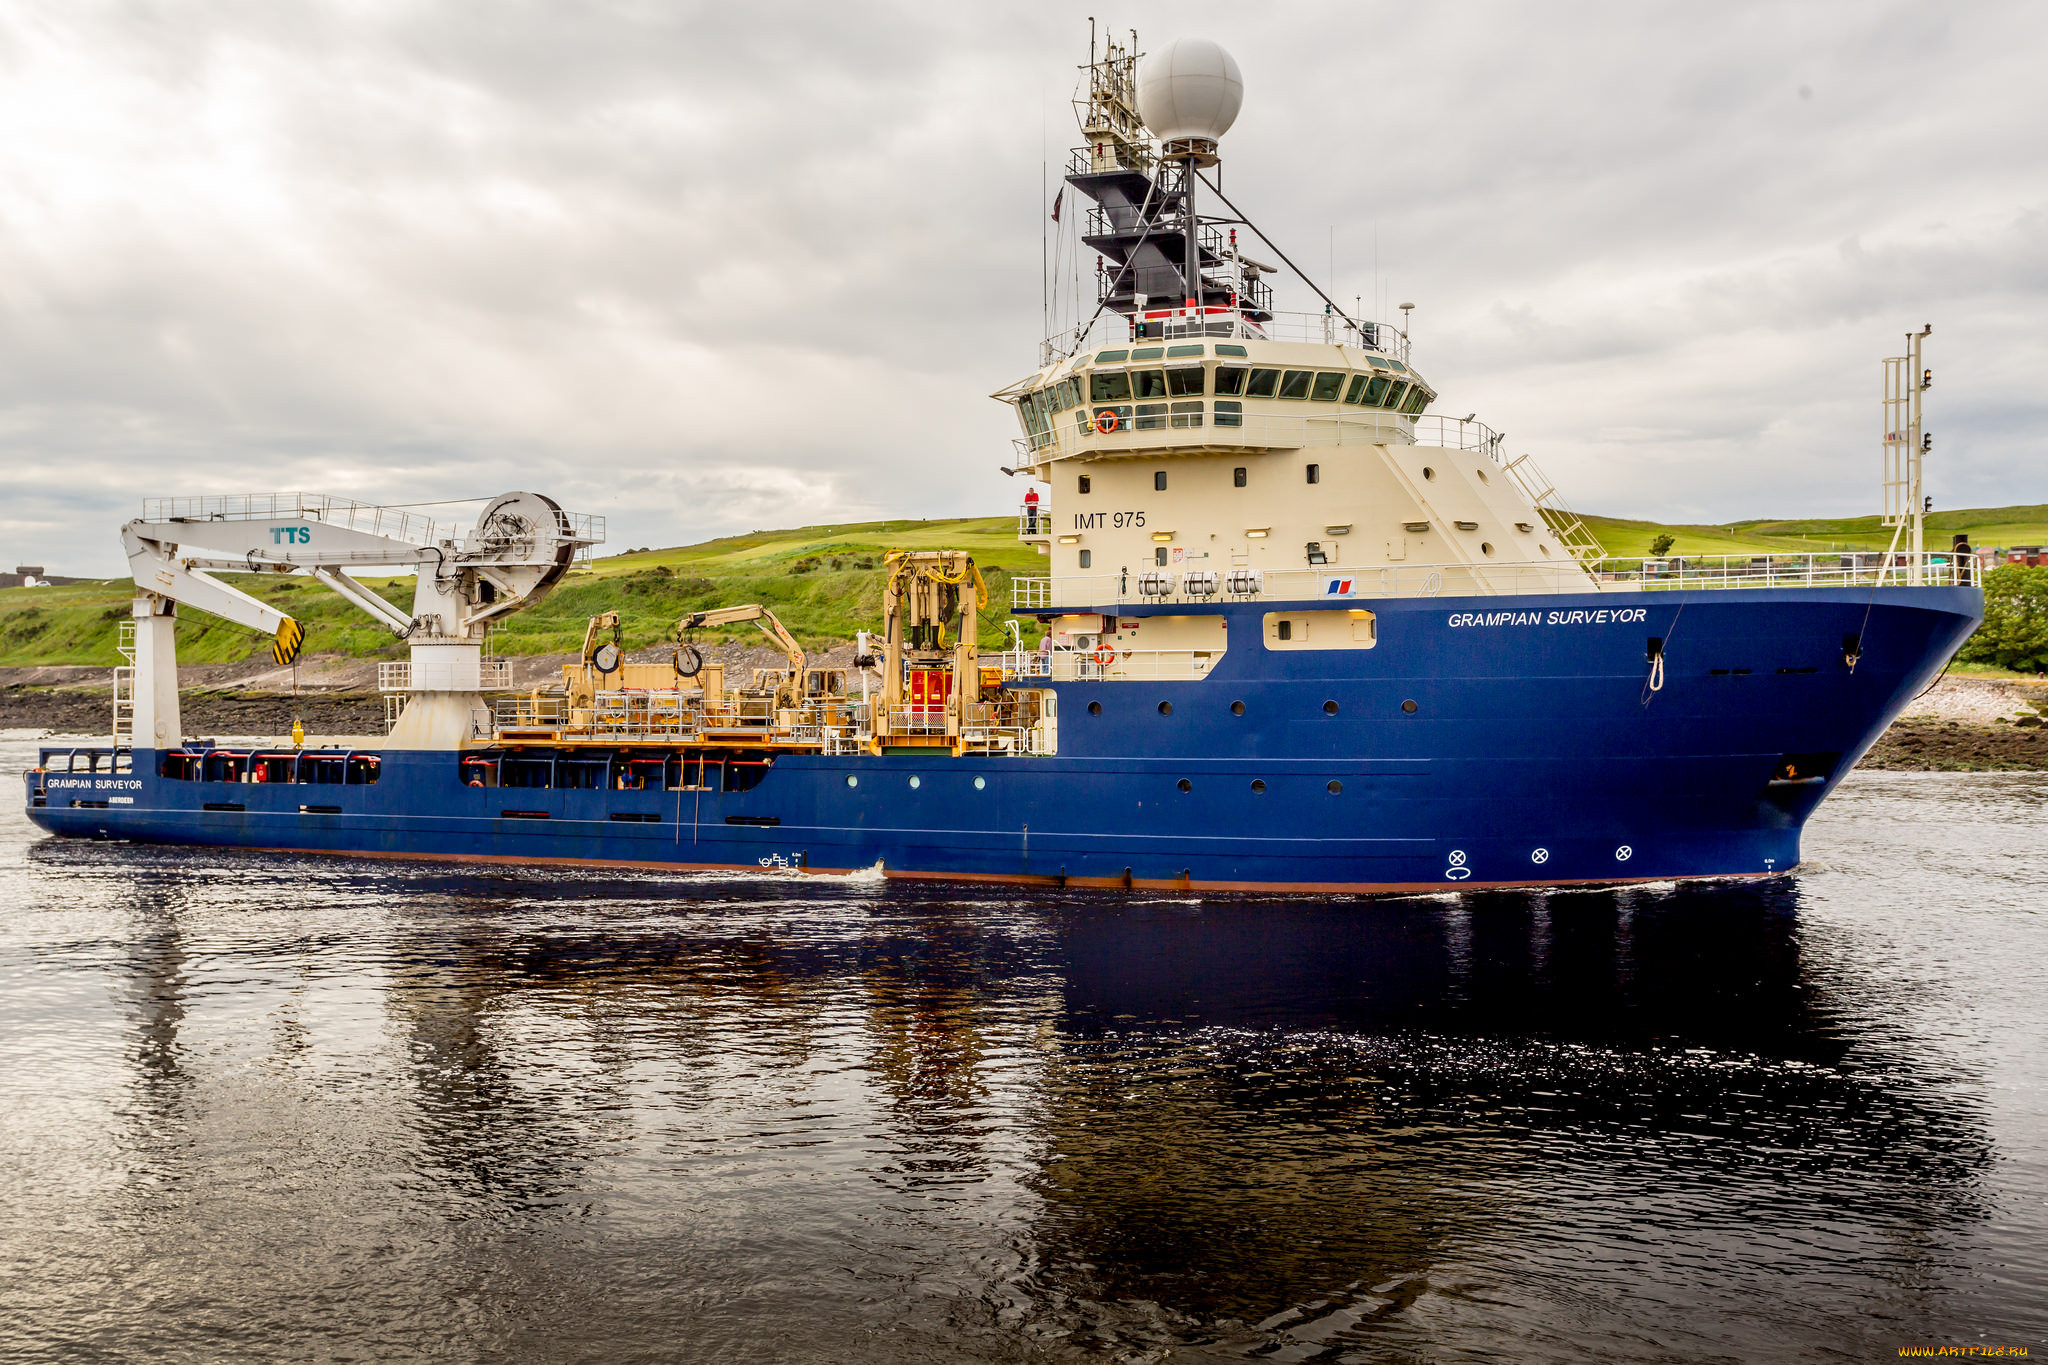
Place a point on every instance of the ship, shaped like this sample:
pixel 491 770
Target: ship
pixel 1296 632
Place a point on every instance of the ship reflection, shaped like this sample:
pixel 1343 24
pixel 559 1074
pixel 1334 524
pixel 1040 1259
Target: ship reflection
pixel 1229 1110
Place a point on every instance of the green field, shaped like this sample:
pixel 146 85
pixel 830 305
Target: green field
pixel 2027 525
pixel 823 581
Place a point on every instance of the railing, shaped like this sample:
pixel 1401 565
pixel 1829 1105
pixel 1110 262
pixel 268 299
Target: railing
pixel 1034 522
pixel 529 713
pixel 1458 433
pixel 1104 664
pixel 394 523
pixel 1871 568
pixel 1342 586
pixel 1328 329
pixel 493 675
pixel 1145 427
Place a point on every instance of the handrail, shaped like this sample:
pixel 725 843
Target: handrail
pixel 1200 425
pixel 1326 329
pixel 1340 585
pixel 408 527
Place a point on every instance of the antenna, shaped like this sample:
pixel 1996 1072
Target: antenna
pixel 1907 443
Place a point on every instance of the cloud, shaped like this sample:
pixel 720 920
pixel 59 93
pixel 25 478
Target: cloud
pixel 709 268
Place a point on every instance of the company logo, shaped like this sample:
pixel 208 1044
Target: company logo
pixel 291 535
pixel 1337 587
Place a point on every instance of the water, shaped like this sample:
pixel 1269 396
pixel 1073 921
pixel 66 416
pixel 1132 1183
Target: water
pixel 256 1107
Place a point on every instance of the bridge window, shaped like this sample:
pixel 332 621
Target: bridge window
pixel 1294 384
pixel 1376 390
pixel 1356 393
pixel 1186 414
pixel 1232 350
pixel 1230 380
pixel 1394 395
pixel 1326 387
pixel 1418 399
pixel 1229 414
pixel 1189 379
pixel 1111 357
pixel 1148 383
pixel 1181 352
pixel 1148 353
pixel 1262 383
pixel 1151 417
pixel 1109 386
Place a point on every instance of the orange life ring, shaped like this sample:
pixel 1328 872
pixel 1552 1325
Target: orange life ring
pixel 1105 655
pixel 1105 421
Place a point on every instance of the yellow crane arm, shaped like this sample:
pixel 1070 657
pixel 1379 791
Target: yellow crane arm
pixel 765 621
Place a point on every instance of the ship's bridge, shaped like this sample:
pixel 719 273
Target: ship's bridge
pixel 1135 400
pixel 1209 468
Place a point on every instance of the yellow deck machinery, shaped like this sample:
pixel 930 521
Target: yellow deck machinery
pixel 937 692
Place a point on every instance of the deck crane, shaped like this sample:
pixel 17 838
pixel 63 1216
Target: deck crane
pixel 603 657
pixel 792 689
pixel 520 547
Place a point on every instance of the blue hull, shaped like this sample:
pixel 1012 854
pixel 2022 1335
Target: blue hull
pixel 1536 753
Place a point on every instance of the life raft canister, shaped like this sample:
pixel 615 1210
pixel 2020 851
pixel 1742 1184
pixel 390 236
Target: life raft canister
pixel 1105 421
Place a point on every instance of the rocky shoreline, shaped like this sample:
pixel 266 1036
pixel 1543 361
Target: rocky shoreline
pixel 1961 724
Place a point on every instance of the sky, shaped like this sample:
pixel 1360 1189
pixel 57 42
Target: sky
pixel 704 269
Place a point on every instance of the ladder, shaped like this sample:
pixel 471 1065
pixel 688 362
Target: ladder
pixel 124 683
pixel 1571 532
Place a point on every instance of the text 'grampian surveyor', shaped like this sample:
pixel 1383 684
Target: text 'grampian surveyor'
pixel 1603 617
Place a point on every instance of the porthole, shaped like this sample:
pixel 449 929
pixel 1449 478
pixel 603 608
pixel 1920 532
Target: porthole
pixel 1237 708
pixel 916 782
pixel 1258 785
pixel 1428 473
pixel 852 781
pixel 1486 547
pixel 1329 708
pixel 1166 708
pixel 1185 785
pixel 1335 786
pixel 1409 707
pixel 1094 708
pixel 980 783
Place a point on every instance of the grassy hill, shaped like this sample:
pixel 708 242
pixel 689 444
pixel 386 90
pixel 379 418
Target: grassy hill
pixel 2026 525
pixel 824 581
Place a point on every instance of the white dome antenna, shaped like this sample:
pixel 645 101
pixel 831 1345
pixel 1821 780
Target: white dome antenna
pixel 1189 93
